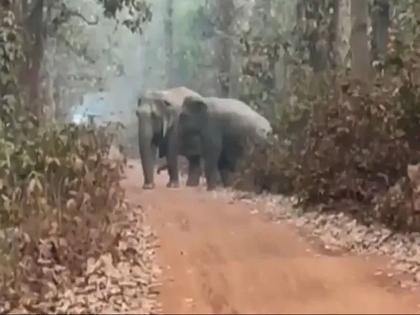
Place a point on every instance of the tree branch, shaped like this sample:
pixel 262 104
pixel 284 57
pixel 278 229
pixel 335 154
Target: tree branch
pixel 75 51
pixel 66 14
pixel 74 13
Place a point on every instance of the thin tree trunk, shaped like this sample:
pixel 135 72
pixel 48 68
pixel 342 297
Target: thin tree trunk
pixel 242 23
pixel 262 16
pixel 343 32
pixel 34 29
pixel 380 25
pixel 224 12
pixel 360 61
pixel 169 43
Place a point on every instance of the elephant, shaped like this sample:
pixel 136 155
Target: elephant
pixel 224 126
pixel 157 114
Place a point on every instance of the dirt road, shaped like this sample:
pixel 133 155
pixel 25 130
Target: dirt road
pixel 218 258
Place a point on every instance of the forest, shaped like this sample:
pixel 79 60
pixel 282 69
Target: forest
pixel 337 79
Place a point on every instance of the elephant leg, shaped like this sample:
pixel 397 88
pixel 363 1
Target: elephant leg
pixel 211 168
pixel 194 171
pixel 172 158
pixel 211 173
pixel 225 170
pixel 229 163
pixel 148 162
pixel 225 176
pixel 212 149
pixel 148 140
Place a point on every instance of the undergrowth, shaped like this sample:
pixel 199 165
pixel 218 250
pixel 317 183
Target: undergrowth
pixel 58 189
pixel 348 144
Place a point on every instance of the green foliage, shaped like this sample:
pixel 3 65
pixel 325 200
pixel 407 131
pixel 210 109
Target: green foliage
pixel 55 183
pixel 139 12
pixel 10 55
pixel 42 170
pixel 258 70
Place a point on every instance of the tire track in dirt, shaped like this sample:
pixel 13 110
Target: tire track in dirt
pixel 217 259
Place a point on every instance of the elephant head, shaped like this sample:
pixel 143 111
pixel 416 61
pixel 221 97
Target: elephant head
pixel 152 122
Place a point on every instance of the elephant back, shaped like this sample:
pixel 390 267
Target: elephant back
pixel 177 95
pixel 174 96
pixel 236 111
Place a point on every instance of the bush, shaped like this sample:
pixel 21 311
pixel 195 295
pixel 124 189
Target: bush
pixel 352 144
pixel 62 209
pixel 268 168
pixel 355 147
pixel 58 188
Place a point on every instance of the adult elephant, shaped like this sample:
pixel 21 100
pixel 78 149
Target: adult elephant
pixel 224 126
pixel 158 113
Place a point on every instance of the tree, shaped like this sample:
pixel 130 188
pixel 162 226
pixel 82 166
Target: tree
pixel 314 20
pixel 360 61
pixel 380 25
pixel 224 11
pixel 42 19
pixel 343 31
pixel 169 42
pixel 262 25
pixel 34 29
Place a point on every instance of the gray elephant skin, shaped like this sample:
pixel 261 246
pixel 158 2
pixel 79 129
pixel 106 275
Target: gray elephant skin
pixel 158 113
pixel 225 127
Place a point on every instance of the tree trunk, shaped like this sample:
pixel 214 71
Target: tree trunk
pixel 263 26
pixel 169 43
pixel 5 9
pixel 343 32
pixel 380 25
pixel 242 22
pixel 360 61
pixel 224 12
pixel 33 12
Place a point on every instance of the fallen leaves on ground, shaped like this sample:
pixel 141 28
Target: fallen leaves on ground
pixel 124 279
pixel 340 232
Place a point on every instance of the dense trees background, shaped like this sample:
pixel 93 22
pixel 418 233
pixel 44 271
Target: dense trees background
pixel 217 47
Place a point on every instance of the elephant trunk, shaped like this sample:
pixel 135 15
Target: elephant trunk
pixel 147 150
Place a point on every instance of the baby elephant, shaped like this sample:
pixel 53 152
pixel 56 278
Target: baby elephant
pixel 225 126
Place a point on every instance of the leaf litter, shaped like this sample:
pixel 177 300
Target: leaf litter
pixel 339 231
pixel 124 279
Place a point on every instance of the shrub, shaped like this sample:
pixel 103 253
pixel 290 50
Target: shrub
pixel 57 185
pixel 352 144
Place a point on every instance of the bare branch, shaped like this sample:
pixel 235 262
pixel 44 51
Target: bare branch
pixel 74 13
pixel 66 14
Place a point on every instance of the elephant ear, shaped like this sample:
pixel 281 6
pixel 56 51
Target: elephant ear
pixel 195 105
